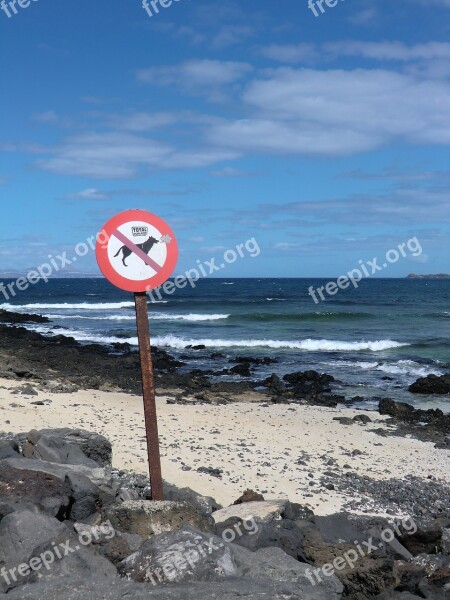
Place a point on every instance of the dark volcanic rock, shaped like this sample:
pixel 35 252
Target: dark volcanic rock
pixel 20 489
pixel 148 518
pixel 178 557
pixel 54 448
pixel 266 360
pixel 428 537
pixel 242 369
pixel 21 532
pixel 205 505
pixel 306 380
pixel 149 563
pixel 432 384
pixel 274 384
pixel 309 386
pixel 249 496
pixel 93 445
pixel 362 419
pixel 9 450
pixel 17 318
pixel 432 422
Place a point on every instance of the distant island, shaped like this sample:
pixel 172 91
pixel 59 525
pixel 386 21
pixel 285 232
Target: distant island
pixel 435 276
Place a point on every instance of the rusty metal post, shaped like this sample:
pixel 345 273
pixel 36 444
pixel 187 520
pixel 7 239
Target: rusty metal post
pixel 148 391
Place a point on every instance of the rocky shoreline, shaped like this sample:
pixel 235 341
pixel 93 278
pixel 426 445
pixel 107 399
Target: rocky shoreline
pixel 61 364
pixel 71 527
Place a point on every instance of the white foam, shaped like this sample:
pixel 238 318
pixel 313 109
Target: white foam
pixel 86 318
pixel 192 317
pixel 82 306
pixel 307 345
pixel 408 367
pixel 84 336
pixel 401 367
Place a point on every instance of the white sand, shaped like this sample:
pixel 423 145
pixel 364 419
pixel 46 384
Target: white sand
pixel 275 437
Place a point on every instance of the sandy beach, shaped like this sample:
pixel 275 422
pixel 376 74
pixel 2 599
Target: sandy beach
pixel 281 451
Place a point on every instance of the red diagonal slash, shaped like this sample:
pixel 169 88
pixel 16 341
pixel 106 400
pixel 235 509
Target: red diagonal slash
pixel 145 257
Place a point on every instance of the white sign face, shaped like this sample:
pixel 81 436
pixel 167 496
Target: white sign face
pixel 148 240
pixel 137 251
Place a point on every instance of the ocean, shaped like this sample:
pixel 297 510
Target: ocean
pixel 375 340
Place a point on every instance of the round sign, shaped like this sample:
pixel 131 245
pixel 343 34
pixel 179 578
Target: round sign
pixel 136 251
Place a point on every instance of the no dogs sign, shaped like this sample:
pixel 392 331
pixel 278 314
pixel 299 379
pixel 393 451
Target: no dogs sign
pixel 140 253
pixel 137 251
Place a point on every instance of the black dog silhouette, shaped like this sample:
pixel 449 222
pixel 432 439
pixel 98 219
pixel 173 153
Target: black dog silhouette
pixel 145 247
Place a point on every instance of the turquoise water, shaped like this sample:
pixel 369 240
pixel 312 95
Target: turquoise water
pixel 396 328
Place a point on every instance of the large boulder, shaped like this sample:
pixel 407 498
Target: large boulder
pixel 114 547
pixel 273 565
pixel 88 489
pixel 76 559
pixel 85 496
pixel 183 555
pixel 205 505
pixel 268 510
pixel 149 518
pixel 21 532
pixel 100 477
pixel 33 490
pixel 64 555
pixel 93 445
pixel 366 554
pixel 431 384
pixel 53 448
pixel 406 412
pixel 264 524
pixel 187 555
pixel 427 537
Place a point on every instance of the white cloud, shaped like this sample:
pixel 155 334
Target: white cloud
pixel 364 17
pixel 337 112
pixel 291 53
pixel 231 172
pixel 88 194
pixel 123 155
pixel 142 121
pixel 195 72
pixel 380 51
pixel 196 76
pixel 50 116
pixel 108 155
pixel 397 51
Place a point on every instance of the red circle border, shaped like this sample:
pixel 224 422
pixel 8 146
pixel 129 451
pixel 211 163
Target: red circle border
pixel 101 251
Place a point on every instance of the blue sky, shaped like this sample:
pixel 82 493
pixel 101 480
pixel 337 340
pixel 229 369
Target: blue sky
pixel 326 138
